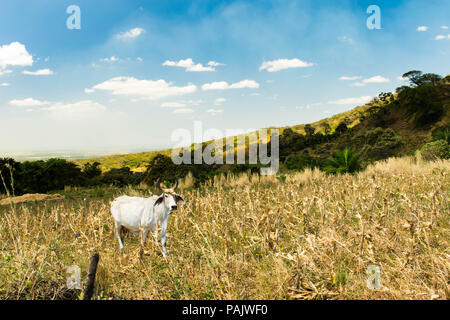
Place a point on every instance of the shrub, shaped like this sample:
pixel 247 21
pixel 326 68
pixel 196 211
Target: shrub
pixel 378 143
pixel 442 133
pixel 121 177
pixel 91 170
pixel 52 174
pixel 346 161
pixel 300 162
pixel 435 150
pixel 422 104
pixel 341 128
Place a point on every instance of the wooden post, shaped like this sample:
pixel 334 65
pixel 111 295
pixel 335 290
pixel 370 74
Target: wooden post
pixel 89 289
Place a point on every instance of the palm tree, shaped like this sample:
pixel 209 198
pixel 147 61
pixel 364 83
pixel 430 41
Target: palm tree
pixel 343 162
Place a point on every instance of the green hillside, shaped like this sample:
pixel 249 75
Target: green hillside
pixel 389 116
pixel 415 117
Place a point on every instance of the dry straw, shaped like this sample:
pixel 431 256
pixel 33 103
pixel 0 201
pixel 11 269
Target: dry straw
pixel 309 236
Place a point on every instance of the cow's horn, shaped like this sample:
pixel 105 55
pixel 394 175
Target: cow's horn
pixel 158 185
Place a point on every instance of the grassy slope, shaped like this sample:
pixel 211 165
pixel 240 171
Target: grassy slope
pixel 310 237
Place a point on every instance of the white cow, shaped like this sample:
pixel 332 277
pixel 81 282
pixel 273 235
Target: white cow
pixel 140 215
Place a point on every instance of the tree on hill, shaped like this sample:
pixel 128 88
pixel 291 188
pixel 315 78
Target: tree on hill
pixel 341 128
pixel 309 130
pixel 422 103
pixel 92 170
pixel 326 127
pixel 417 78
pixel 385 97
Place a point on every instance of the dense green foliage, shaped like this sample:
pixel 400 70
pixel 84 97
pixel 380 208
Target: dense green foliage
pixel 442 133
pixel 422 103
pixel 92 170
pixel 301 161
pixel 40 176
pixel 54 174
pixel 434 150
pixel 378 143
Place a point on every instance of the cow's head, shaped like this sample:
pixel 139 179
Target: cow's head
pixel 169 197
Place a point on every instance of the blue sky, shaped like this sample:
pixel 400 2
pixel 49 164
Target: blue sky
pixel 138 70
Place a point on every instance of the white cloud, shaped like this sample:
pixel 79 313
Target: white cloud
pixel 282 64
pixel 376 79
pixel 215 64
pixel 193 102
pixel 190 66
pixel 345 39
pixel 84 108
pixel 173 105
pixel 148 89
pixel 400 78
pixel 28 102
pixel 219 101
pixel 444 27
pixel 422 28
pixel 182 103
pixel 87 90
pixel 139 59
pixel 352 101
pixel 111 59
pixel 344 78
pixel 2 72
pixel 309 105
pixel 41 72
pixel 4 84
pixel 14 54
pixel 441 37
pixel 131 34
pixel 183 110
pixel 223 85
pixel 214 111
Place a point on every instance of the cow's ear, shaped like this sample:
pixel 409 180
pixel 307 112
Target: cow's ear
pixel 179 200
pixel 160 199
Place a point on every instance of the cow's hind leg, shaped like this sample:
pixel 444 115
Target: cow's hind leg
pixel 118 235
pixel 143 235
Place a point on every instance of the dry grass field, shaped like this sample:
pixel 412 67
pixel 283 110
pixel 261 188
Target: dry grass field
pixel 299 236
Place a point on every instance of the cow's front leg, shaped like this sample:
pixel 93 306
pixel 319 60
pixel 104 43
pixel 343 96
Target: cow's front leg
pixel 162 234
